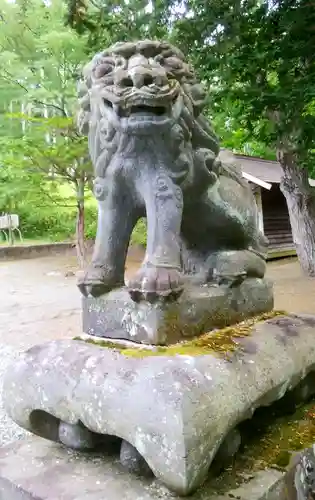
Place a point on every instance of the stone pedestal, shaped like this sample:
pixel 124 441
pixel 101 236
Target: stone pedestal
pixel 198 310
pixel 46 471
pixel 175 410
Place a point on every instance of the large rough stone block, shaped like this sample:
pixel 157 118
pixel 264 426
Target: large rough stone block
pixel 175 410
pixel 199 309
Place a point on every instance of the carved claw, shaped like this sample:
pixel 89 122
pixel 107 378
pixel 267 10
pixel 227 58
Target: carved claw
pixel 154 283
pixel 98 280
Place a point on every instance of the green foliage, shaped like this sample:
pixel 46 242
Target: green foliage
pixel 63 157
pixel 139 235
pixel 40 58
pixel 33 170
pixel 107 22
pixel 258 57
pixel 54 223
pixel 235 136
pixel 40 150
pixel 15 183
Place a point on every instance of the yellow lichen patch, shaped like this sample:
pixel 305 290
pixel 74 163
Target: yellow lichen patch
pixel 217 341
pixel 102 343
pixel 273 445
pixel 268 443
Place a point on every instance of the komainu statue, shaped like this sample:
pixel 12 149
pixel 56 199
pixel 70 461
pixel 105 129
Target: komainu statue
pixel 155 155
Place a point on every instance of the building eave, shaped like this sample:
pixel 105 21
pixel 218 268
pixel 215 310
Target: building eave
pixel 255 180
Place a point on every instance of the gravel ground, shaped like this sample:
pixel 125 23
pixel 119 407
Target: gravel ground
pixel 40 302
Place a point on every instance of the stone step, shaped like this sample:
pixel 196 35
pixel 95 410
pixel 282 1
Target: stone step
pixel 36 469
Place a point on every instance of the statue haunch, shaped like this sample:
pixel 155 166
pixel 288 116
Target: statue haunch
pixel 155 155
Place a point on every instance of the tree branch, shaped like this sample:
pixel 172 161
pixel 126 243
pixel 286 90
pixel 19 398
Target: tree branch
pixel 12 80
pixel 51 106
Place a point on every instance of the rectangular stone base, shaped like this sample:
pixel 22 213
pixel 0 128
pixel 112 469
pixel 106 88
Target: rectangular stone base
pixel 34 469
pixel 199 310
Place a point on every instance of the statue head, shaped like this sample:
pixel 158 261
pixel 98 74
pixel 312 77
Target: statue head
pixel 146 88
pixel 138 84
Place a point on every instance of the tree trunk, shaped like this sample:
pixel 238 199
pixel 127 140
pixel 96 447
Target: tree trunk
pixel 300 197
pixel 80 240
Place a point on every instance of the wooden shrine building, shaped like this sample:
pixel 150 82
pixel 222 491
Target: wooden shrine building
pixel 264 176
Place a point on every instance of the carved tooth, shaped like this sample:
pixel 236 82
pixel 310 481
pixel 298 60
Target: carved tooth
pixel 116 109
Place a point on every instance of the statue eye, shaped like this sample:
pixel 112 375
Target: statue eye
pixel 103 69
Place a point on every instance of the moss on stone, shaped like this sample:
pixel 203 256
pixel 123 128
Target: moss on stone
pixel 101 343
pixel 280 437
pixel 274 439
pixel 220 341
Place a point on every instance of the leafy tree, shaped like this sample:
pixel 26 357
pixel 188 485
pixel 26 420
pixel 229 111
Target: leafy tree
pixel 63 160
pixel 40 63
pixel 40 59
pixel 15 182
pixel 107 22
pixel 234 134
pixel 259 55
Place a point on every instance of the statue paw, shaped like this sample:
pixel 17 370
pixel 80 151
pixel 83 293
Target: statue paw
pixel 98 280
pixel 154 283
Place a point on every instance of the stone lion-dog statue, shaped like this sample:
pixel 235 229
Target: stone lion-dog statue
pixel 156 156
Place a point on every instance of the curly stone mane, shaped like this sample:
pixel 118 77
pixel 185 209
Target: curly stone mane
pixel 155 155
pixel 101 74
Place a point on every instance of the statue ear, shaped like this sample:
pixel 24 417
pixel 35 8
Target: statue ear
pixel 204 175
pixel 198 96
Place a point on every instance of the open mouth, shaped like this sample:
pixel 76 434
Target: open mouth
pixel 143 109
pixel 140 109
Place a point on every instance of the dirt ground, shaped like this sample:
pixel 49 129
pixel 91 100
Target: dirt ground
pixel 39 299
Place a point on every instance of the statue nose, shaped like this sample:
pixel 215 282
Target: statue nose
pixel 141 78
pixel 142 72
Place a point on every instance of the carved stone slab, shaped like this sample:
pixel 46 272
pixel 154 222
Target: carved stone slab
pixel 50 472
pixel 199 309
pixel 176 411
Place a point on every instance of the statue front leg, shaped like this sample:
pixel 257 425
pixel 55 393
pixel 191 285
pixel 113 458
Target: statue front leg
pixel 160 274
pixel 116 219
